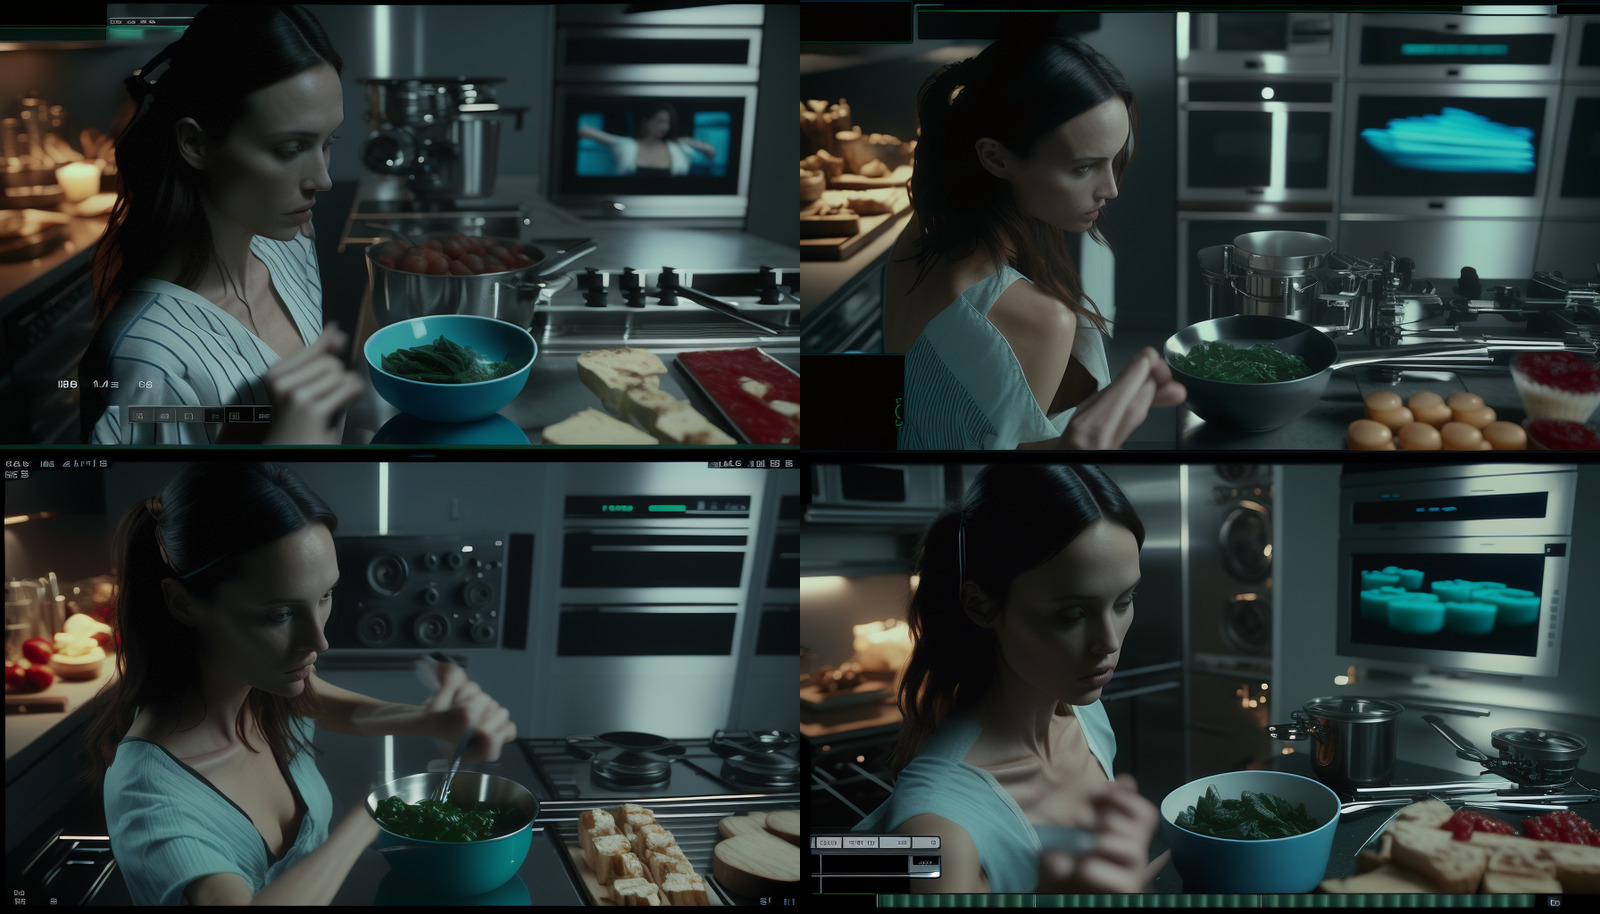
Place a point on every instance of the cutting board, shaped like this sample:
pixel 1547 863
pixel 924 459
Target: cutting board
pixel 30 704
pixel 785 823
pixel 753 824
pixel 871 228
pixel 601 894
pixel 757 866
pixel 900 177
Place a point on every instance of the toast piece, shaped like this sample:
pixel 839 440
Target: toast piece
pixel 1432 813
pixel 607 858
pixel 635 892
pixel 611 373
pixel 591 426
pixel 657 841
pixel 594 823
pixel 634 818
pixel 684 890
pixel 665 862
pixel 1454 866
pixel 1515 869
pixel 1577 866
pixel 686 426
pixel 644 830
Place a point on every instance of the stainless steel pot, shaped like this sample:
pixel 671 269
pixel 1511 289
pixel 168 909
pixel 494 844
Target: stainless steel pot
pixel 509 296
pixel 1354 739
pixel 440 134
pixel 1272 272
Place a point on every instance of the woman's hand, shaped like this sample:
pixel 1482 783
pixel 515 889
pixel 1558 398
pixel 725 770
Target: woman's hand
pixel 460 704
pixel 1107 417
pixel 1124 824
pixel 309 390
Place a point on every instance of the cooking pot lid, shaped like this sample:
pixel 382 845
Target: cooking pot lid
pixel 1283 244
pixel 1335 707
pixel 1540 745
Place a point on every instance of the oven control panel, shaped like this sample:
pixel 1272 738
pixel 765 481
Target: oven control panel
pixel 419 592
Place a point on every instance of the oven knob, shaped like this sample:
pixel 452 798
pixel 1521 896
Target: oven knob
pixel 667 287
pixel 430 629
pixel 386 574
pixel 593 284
pixel 455 561
pixel 374 630
pixel 633 288
pixel 430 596
pixel 771 293
pixel 484 632
pixel 477 594
pixel 430 561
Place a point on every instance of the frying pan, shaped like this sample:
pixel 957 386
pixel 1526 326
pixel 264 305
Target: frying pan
pixel 1271 404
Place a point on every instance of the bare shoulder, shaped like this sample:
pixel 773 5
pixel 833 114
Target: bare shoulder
pixel 1024 311
pixel 961 871
pixel 219 888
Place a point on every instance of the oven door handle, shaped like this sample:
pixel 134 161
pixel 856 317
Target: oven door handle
pixel 667 549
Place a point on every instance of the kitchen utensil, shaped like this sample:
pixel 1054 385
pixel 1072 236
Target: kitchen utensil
pixel 1269 866
pixel 459 867
pixel 511 295
pixel 757 866
pixel 1272 273
pixel 441 135
pixel 455 765
pixel 489 338
pixel 1271 404
pixel 1355 738
pixel 1531 757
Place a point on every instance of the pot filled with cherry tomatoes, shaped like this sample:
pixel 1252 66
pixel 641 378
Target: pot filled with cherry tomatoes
pixel 456 273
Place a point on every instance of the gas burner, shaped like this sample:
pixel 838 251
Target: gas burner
pixel 626 759
pixel 1537 758
pixel 742 742
pixel 757 758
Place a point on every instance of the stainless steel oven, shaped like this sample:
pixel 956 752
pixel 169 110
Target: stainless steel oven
pixel 1583 49
pixel 1300 44
pixel 1260 139
pixel 1427 47
pixel 1575 182
pixel 1200 230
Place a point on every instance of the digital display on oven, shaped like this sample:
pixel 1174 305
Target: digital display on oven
pixel 1392 509
pixel 1442 146
pixel 1473 602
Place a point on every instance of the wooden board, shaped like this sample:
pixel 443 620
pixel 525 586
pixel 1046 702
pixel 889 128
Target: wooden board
pixel 601 894
pixel 753 824
pixel 785 823
pixel 754 866
pixel 871 228
pixel 900 177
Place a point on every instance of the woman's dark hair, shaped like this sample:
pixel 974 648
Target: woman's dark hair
pixel 1016 91
pixel 227 52
pixel 207 517
pixel 1014 517
pixel 672 125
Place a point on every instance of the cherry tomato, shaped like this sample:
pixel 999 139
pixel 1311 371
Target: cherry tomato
pixel 457 268
pixel 414 263
pixel 454 247
pixel 474 244
pixel 387 261
pixel 514 248
pixel 520 260
pixel 101 638
pixel 492 264
pixel 474 262
pixel 433 244
pixel 498 251
pixel 439 267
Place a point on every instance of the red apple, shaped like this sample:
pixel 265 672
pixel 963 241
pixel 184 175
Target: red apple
pixel 38 650
pixel 39 678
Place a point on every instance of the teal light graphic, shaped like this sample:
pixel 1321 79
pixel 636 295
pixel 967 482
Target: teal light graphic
pixel 1453 141
pixel 1454 50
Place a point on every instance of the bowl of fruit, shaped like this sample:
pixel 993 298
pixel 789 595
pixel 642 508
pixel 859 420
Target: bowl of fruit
pixel 456 273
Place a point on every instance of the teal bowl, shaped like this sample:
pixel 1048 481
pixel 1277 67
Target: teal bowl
pixel 458 868
pixel 489 338
pixel 1272 866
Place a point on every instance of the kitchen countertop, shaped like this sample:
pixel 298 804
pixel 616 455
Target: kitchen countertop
pixel 25 732
pixel 30 276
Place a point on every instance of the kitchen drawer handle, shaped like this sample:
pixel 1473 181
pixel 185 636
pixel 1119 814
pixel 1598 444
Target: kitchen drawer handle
pixel 667 549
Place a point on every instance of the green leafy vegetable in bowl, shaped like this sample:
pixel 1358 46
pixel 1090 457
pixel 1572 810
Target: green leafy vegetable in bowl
pixel 1254 816
pixel 1215 360
pixel 445 362
pixel 433 820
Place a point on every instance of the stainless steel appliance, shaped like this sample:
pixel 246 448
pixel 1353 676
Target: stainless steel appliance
pixel 1575 183
pixel 1298 44
pixel 875 493
pixel 420 592
pixel 1262 139
pixel 1353 739
pixel 46 327
pixel 1490 545
pixel 1583 49
pixel 1200 232
pixel 441 134
pixel 1391 47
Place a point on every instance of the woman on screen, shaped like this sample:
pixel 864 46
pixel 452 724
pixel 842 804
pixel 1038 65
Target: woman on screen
pixel 207 287
pixel 1026 593
pixel 202 748
pixel 656 150
pixel 1018 145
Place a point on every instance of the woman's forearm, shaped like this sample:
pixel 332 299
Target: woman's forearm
pixel 320 874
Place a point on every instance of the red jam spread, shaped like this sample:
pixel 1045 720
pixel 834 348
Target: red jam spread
pixel 721 373
pixel 1561 370
pixel 1565 826
pixel 1467 821
pixel 1561 435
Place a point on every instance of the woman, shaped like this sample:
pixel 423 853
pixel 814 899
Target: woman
pixel 211 794
pixel 655 150
pixel 1026 593
pixel 207 289
pixel 1018 145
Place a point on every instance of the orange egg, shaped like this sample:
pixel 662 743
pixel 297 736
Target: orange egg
pixel 1459 436
pixel 1485 446
pixel 1419 436
pixel 1367 435
pixel 1506 436
pixel 1395 419
pixel 1382 401
pixel 1477 418
pixel 1429 407
pixel 1463 400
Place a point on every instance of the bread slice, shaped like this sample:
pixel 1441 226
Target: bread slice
pixel 684 890
pixel 1577 866
pixel 591 426
pixel 594 823
pixel 1431 813
pixel 643 831
pixel 657 841
pixel 1454 866
pixel 1517 869
pixel 635 892
pixel 611 373
pixel 686 426
pixel 607 858
pixel 667 861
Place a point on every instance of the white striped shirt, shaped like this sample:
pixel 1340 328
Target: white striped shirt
pixel 165 345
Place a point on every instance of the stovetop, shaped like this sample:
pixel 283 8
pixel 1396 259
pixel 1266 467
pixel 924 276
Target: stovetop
pixel 764 765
